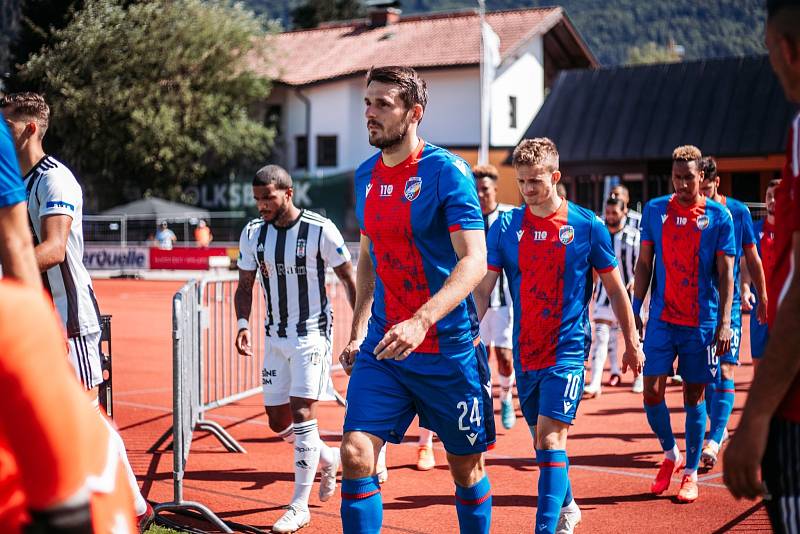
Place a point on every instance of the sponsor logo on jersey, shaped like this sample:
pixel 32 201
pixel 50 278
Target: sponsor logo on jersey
pixel 663 218
pixel 386 190
pixel 567 406
pixel 539 235
pixel 260 247
pixel 60 204
pixel 413 188
pixel 300 250
pixel 566 234
pixel 702 222
pixel 369 188
pixel 519 234
pixel 472 437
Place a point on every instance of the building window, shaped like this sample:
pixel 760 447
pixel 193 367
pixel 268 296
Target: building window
pixel 301 152
pixel 326 151
pixel 512 111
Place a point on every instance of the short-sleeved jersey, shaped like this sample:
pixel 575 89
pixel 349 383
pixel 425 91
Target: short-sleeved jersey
pixel 291 263
pixel 501 295
pixel 744 237
pixel 408 212
pixel 549 262
pixel 686 242
pixel 52 442
pixel 12 190
pixel 781 270
pixel 53 190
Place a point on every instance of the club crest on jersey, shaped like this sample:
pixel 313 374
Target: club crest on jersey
pixel 566 234
pixel 413 188
pixel 300 250
pixel 702 222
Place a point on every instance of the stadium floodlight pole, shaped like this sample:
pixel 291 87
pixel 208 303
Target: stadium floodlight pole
pixel 485 92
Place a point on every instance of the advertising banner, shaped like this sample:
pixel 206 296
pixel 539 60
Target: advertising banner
pixel 115 257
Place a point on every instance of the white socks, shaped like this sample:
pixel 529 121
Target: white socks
pixel 307 445
pixel 425 439
pixel 613 363
pixel 599 354
pixel 139 504
pixel 673 454
pixel 506 385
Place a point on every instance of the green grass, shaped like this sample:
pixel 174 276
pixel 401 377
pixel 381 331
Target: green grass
pixel 155 529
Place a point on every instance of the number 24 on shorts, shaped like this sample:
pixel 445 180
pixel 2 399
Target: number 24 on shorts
pixel 474 416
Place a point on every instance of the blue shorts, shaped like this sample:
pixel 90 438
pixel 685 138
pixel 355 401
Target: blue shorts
pixel 452 394
pixel 694 346
pixel 759 335
pixel 554 392
pixel 732 356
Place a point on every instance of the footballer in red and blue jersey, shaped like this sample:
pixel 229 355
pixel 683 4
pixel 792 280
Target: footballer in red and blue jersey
pixel 549 263
pixel 408 212
pixel 548 249
pixel 684 298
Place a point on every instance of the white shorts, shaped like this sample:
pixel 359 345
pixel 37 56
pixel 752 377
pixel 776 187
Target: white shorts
pixel 604 313
pixel 497 327
pixel 296 367
pixel 84 355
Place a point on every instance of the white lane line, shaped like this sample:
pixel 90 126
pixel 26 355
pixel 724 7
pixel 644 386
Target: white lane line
pixel 490 455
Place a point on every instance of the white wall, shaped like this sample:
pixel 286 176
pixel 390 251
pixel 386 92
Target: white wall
pixel 452 117
pixel 523 77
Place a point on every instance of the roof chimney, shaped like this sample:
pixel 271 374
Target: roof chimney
pixel 383 12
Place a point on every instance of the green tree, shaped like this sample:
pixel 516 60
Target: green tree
pixel 650 53
pixel 311 13
pixel 149 98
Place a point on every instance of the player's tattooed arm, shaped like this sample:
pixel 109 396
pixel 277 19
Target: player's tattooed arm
pixel 777 372
pixel 53 248
pixel 642 274
pixel 618 295
pixel 483 292
pixel 725 273
pixel 243 303
pixel 364 294
pixel 404 337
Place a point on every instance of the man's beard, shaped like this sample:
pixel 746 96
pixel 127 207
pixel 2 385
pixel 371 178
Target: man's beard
pixel 392 137
pixel 280 212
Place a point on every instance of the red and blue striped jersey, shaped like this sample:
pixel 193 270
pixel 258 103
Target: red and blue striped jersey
pixel 686 242
pixel 548 262
pixel 408 212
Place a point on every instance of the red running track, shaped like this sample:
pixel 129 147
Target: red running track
pixel 613 454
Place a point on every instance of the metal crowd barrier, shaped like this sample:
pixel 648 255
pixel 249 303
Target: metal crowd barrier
pixel 208 373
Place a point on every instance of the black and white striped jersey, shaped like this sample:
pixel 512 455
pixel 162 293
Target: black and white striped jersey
pixel 626 249
pixel 53 190
pixel 633 219
pixel 291 263
pixel 501 294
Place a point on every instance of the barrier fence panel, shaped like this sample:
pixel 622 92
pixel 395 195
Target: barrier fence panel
pixel 185 412
pixel 209 373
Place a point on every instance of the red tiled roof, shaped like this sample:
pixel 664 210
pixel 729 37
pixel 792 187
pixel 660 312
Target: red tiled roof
pixel 307 56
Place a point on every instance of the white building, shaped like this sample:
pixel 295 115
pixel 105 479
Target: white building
pixel 317 103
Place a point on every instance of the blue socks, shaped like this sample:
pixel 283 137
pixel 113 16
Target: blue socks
pixel 553 487
pixel 658 417
pixel 695 430
pixel 362 506
pixel 720 407
pixel 474 507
